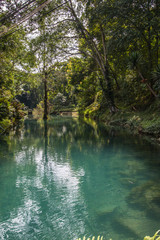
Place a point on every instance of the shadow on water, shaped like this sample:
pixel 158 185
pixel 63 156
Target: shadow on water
pixel 66 177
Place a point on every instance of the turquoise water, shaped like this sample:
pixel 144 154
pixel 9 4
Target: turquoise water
pixel 63 179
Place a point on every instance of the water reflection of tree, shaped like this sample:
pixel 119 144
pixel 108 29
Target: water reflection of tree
pixel 76 142
pixel 65 137
pixel 44 150
pixel 45 140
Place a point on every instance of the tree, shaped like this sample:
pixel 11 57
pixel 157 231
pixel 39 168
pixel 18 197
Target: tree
pixel 82 81
pixel 136 29
pixel 94 38
pixel 44 48
pixel 93 33
pixel 135 64
pixel 15 60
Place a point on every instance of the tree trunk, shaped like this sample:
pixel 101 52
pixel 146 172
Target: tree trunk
pixel 107 89
pixel 45 116
pixel 109 92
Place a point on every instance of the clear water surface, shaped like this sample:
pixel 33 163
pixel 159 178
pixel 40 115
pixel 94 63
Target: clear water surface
pixel 63 179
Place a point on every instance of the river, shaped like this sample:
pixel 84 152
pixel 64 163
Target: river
pixel 65 178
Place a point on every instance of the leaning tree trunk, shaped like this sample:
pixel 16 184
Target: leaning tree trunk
pixel 45 115
pixel 145 81
pixel 101 59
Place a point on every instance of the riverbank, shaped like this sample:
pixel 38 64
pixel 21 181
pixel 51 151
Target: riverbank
pixel 140 122
pixel 145 121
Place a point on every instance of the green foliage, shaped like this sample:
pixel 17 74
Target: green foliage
pixel 92 238
pixel 156 78
pixel 155 237
pixel 82 81
pixel 5 103
pixel 118 42
pixel 38 111
pixel 134 61
pixel 93 109
pixel 10 110
pixel 156 74
pixel 4 125
pixel 60 100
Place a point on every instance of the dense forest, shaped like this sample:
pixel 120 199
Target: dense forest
pixel 92 56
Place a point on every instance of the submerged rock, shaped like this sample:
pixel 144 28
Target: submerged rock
pixel 126 222
pixel 123 227
pixel 106 212
pixel 146 196
pixel 134 227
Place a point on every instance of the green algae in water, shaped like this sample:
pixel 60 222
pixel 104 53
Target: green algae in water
pixel 66 178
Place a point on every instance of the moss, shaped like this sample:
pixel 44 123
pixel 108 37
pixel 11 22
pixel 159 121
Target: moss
pixel 92 110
